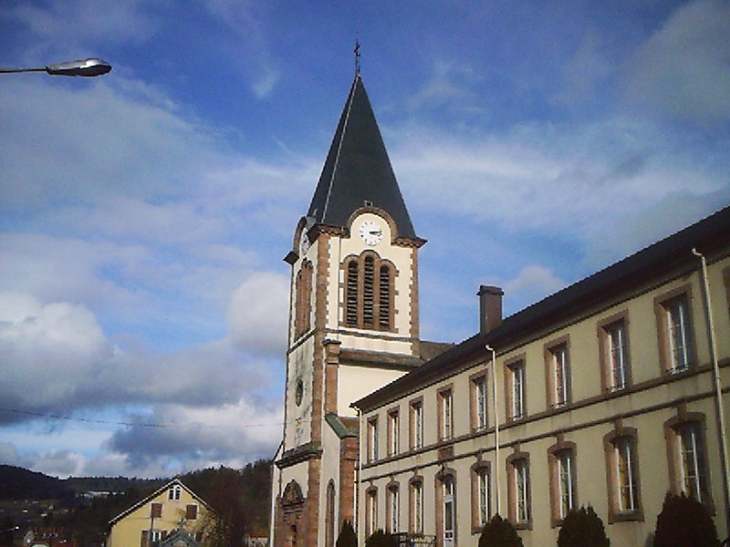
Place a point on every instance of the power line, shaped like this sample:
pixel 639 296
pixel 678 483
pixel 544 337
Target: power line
pixel 134 424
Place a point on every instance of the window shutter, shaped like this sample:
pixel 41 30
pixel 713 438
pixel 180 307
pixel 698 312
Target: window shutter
pixel 191 512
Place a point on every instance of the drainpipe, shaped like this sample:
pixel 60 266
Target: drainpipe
pixel 722 432
pixel 356 501
pixel 497 461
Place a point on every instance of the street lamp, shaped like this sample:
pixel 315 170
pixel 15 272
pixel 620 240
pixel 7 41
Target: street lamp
pixel 86 68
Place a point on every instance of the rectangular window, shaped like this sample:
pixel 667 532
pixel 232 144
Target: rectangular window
pixel 622 474
pixel 692 461
pixel 479 403
pixel 566 481
pixel 521 478
pixel 393 432
pixel 517 372
pixel 371 521
pixel 626 484
pixel 559 375
pixel 394 508
pixel 417 507
pixel 372 439
pixel 617 355
pixel 446 418
pixel 416 424
pixel 449 511
pixel 156 510
pixel 191 512
pixel 678 333
pixel 484 496
pixel 516 390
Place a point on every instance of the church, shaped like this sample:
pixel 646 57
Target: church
pixel 608 393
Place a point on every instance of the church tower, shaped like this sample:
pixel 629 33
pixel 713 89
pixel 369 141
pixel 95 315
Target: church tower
pixel 353 325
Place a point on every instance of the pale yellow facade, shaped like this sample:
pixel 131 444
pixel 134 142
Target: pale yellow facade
pixel 148 522
pixel 607 399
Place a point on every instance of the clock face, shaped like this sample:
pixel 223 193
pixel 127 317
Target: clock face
pixel 371 232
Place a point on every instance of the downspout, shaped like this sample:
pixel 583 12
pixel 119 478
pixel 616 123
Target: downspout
pixel 495 407
pixel 722 432
pixel 356 500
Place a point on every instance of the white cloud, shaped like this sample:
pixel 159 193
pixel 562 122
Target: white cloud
pixel 74 25
pixel 532 284
pixel 46 351
pixel 552 179
pixel 259 312
pixel 683 70
pixel 228 434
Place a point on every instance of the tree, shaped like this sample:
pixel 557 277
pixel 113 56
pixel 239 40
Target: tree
pixel 499 533
pixel 380 539
pixel 347 537
pixel 582 528
pixel 684 522
pixel 240 500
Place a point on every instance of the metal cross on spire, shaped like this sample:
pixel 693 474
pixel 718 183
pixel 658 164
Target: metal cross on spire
pixel 356 51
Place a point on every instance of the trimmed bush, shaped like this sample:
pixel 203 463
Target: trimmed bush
pixel 684 522
pixel 499 533
pixel 582 528
pixel 347 537
pixel 380 539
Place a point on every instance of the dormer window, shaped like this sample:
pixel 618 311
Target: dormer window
pixel 369 292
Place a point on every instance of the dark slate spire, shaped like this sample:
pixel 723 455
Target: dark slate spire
pixel 358 171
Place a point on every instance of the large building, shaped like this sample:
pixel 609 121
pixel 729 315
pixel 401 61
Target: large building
pixel 606 393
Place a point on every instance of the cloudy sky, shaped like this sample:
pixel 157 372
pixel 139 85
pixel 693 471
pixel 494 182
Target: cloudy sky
pixel 144 214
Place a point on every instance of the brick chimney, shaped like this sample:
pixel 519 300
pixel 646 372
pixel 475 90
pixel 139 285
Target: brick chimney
pixel 490 308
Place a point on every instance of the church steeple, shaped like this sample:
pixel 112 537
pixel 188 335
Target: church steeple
pixel 357 171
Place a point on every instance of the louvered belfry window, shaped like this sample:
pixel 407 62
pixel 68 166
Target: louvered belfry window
pixel 384 298
pixel 369 293
pixel 352 285
pixel 368 301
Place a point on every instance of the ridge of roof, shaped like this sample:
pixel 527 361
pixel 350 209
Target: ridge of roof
pixel 357 171
pixel 672 253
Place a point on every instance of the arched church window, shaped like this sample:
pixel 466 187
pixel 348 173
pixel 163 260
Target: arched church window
pixel 369 293
pixel 303 313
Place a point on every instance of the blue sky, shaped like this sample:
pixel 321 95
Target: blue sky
pixel 145 214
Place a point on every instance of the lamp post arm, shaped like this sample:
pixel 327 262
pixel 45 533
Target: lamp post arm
pixel 88 68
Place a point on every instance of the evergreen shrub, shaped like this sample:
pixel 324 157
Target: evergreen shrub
pixel 582 528
pixel 347 537
pixel 684 522
pixel 380 539
pixel 499 533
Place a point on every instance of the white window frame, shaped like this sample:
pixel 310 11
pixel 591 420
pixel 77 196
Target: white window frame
pixel 627 493
pixel 565 468
pixel 679 333
pixel 617 355
pixel 692 463
pixel 416 415
pixel 393 432
pixel 373 439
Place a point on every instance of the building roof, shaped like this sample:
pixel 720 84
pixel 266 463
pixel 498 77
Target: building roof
pixel 654 264
pixel 156 493
pixel 357 171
